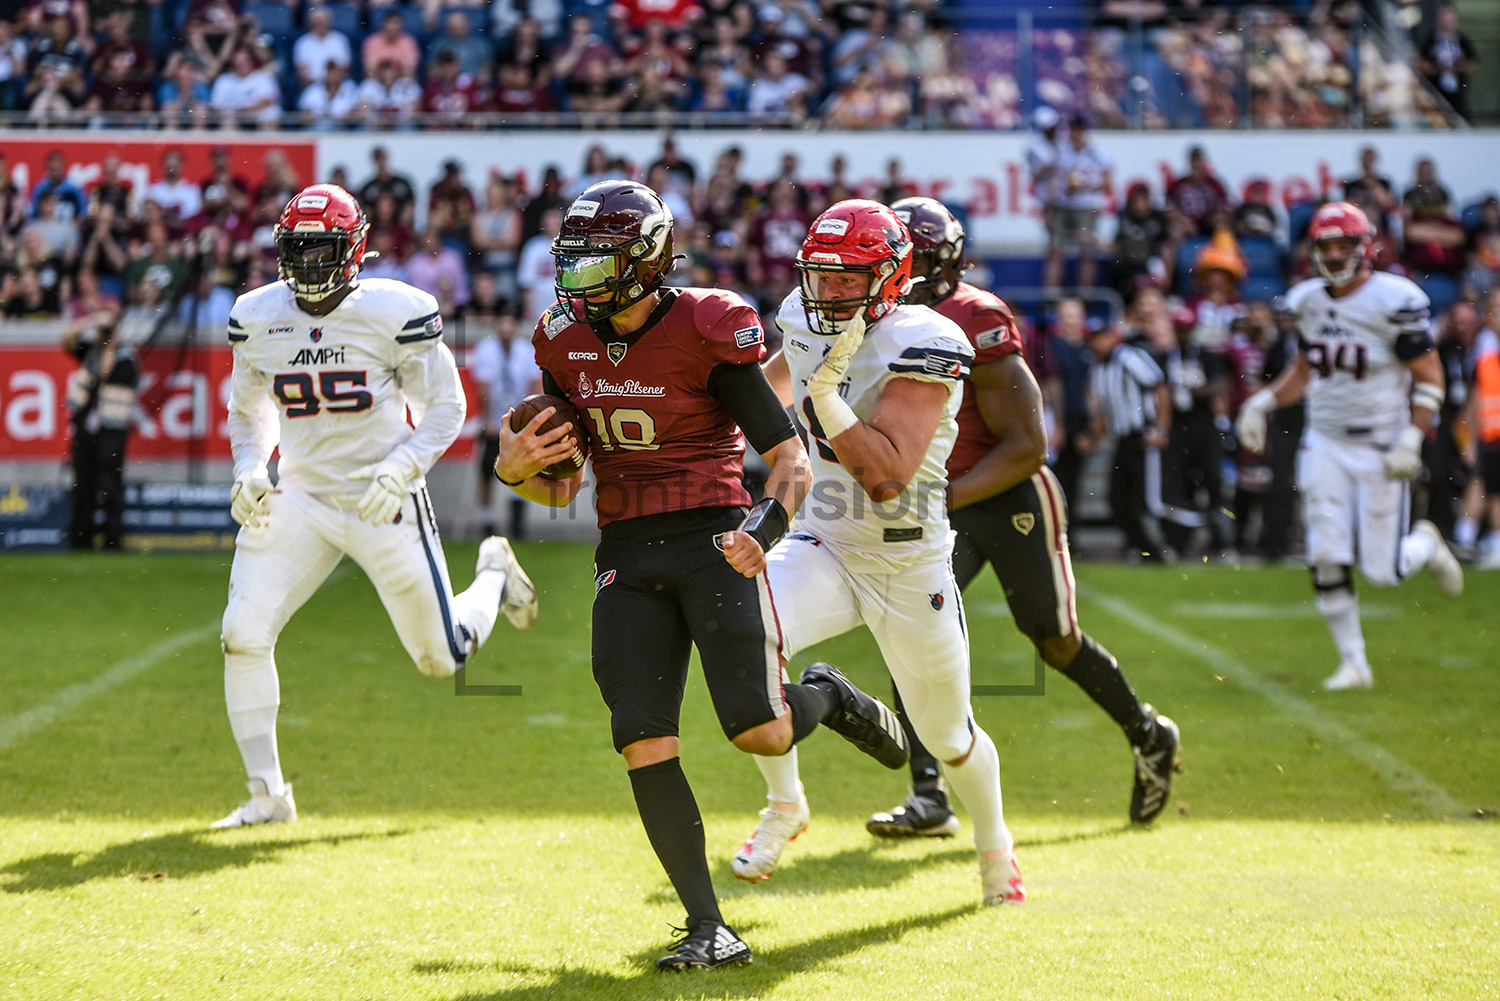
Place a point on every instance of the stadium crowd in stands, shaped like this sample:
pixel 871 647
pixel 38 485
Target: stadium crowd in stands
pixel 846 63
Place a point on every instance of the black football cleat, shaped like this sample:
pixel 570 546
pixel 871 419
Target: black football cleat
pixel 708 945
pixel 1155 761
pixel 862 720
pixel 919 817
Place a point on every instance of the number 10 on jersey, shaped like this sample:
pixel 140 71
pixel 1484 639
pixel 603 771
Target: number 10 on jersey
pixel 628 428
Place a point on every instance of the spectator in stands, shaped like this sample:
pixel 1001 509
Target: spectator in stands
pixel 221 172
pixel 58 46
pixel 1130 401
pixel 48 266
pixel 1085 175
pixel 776 236
pixel 1370 186
pixel 439 269
pixel 117 89
pixel 387 262
pixel 55 85
pixel 518 91
pixel 1214 306
pixel 495 234
pixel 119 38
pixel 184 94
pixel 1433 236
pixel 1143 244
pixel 388 98
pixel 1484 247
pixel 319 48
pixel 631 16
pixel 598 90
pixel 157 255
pixel 860 47
pixel 536 270
pixel 1449 470
pixel 57 234
pixel 872 100
pixel 179 197
pixel 1483 416
pixel 582 49
pixel 725 49
pixel 778 91
pixel 1446 58
pixel 12 66
pixel 207 306
pixel 54 180
pixel 1426 191
pixel 1197 197
pixel 450 206
pixel 246 95
pixel 1198 380
pixel 214 30
pixel 393 44
pixel 473 52
pixel 330 102
pixel 1255 217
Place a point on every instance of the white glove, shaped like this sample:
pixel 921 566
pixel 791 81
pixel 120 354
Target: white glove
pixel 830 373
pixel 1252 426
pixel 834 414
pixel 1404 460
pixel 382 501
pixel 247 497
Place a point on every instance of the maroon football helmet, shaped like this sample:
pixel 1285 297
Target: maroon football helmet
pixel 614 248
pixel 937 238
pixel 1341 237
pixel 855 235
pixel 320 241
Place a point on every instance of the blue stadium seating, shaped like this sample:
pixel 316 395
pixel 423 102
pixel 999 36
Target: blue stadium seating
pixel 1263 288
pixel 1443 290
pixel 275 18
pixel 1262 256
pixel 1187 254
pixel 1298 216
pixel 346 19
pixel 1471 215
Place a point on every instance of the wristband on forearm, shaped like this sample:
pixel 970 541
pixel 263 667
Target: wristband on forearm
pixel 766 523
pixel 1428 395
pixel 833 413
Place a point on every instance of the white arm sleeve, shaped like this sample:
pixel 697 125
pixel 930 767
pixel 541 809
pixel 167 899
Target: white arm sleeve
pixel 254 427
pixel 435 397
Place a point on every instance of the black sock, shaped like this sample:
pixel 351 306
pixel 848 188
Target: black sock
pixel 925 777
pixel 810 705
pixel 675 828
pixel 1096 671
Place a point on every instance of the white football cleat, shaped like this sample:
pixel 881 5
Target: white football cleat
pixel 1001 879
pixel 757 857
pixel 261 808
pixel 518 600
pixel 1349 675
pixel 1442 564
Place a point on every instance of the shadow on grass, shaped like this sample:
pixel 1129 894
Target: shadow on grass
pixel 769 968
pixel 165 856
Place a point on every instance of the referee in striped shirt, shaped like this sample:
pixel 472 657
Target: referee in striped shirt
pixel 1130 400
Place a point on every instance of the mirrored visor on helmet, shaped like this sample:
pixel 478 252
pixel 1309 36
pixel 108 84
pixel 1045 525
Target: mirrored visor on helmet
pixel 310 250
pixel 579 274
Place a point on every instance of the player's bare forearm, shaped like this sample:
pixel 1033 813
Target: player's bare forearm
pixel 1010 403
pixel 779 375
pixel 885 450
pixel 550 493
pixel 791 474
pixel 1291 384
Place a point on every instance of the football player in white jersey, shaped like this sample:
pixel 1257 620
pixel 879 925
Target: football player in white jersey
pixel 877 386
pixel 326 366
pixel 1364 341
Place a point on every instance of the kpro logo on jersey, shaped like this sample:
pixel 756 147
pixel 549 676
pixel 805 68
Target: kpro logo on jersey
pixel 583 356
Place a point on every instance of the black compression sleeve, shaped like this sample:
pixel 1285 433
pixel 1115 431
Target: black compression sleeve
pixel 1412 344
pixel 752 403
pixel 550 386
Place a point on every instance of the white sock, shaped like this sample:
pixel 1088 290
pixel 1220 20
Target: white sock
pixel 476 608
pixel 252 694
pixel 976 783
pixel 782 785
pixel 1416 549
pixel 1341 610
pixel 1465 531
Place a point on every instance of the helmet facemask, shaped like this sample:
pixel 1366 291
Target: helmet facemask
pixel 935 272
pixel 316 264
pixel 821 318
pixel 1346 273
pixel 599 282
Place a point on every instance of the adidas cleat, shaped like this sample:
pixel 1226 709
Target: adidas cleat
pixel 261 808
pixel 710 944
pixel 518 600
pixel 862 720
pixel 1155 762
pixel 918 817
pixel 756 860
pixel 1001 879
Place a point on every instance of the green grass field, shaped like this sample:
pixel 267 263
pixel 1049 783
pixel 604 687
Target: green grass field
pixel 464 848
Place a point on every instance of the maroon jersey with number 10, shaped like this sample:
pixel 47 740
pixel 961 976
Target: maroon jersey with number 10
pixel 991 328
pixel 659 440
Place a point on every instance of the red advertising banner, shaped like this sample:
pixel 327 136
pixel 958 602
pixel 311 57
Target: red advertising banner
pixel 26 156
pixel 180 414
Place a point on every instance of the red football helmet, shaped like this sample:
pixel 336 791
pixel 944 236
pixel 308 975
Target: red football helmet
pixel 614 248
pixel 1345 230
pixel 320 241
pixel 856 235
pixel 937 237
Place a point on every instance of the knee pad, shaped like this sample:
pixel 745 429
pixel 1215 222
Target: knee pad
pixel 245 633
pixel 947 742
pixel 1330 577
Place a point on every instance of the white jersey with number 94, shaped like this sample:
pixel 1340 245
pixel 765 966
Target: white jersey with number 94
pixel 1357 347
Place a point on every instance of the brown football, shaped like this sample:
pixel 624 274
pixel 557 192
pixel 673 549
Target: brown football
pixel 565 414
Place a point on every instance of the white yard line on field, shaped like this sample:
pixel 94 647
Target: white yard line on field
pixel 17 728
pixel 1397 775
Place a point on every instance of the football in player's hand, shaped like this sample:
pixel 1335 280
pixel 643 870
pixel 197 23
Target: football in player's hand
pixel 528 408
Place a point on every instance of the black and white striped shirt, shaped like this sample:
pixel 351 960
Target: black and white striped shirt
pixel 1124 389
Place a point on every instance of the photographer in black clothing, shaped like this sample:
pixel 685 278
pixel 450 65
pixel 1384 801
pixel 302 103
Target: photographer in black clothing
pixel 101 397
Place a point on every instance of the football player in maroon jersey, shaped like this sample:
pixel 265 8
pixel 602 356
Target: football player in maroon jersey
pixel 665 381
pixel 1009 512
